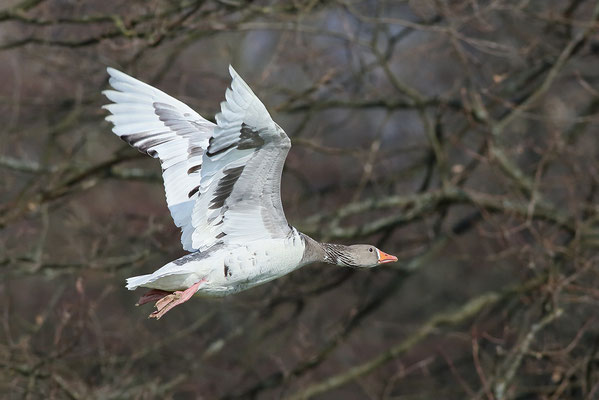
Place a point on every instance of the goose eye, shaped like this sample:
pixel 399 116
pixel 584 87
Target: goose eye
pixel 370 250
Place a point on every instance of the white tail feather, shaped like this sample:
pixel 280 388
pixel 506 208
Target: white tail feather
pixel 137 281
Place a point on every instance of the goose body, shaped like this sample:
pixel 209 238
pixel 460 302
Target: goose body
pixel 222 184
pixel 231 268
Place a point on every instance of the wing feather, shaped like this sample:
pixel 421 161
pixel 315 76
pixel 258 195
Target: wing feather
pixel 240 186
pixel 164 128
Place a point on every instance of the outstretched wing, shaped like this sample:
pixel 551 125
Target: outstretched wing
pixel 164 128
pixel 239 193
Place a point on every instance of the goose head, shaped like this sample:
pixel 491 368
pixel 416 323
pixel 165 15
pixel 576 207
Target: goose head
pixel 357 255
pixel 368 256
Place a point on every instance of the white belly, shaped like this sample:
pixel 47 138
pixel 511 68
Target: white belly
pixel 227 269
pixel 246 266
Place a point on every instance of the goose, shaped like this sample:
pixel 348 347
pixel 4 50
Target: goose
pixel 223 190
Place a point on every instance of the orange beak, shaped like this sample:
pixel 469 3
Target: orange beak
pixel 386 258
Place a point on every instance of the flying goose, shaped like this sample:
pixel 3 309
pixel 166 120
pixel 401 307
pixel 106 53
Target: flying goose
pixel 223 189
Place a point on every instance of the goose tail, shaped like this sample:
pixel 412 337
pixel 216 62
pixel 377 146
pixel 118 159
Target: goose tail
pixel 136 281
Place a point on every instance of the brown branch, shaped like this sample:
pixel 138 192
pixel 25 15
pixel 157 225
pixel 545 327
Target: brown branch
pixel 461 315
pixel 513 363
pixel 414 207
pixel 18 9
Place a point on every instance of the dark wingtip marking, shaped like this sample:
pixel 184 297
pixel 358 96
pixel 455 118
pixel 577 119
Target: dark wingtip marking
pixel 249 138
pixel 225 187
pixel 210 154
pixel 234 171
pixel 193 191
pixel 133 138
pixel 221 235
pixel 153 143
pixel 194 169
pixel 193 150
pixel 216 205
pixel 143 141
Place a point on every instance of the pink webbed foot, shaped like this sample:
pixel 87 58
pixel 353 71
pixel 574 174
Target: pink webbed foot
pixel 169 301
pixel 152 295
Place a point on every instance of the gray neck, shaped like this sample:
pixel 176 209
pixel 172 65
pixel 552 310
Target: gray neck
pixel 314 251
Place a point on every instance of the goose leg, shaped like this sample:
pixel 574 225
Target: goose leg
pixel 169 301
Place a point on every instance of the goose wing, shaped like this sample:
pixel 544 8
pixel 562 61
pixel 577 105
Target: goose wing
pixel 164 128
pixel 240 186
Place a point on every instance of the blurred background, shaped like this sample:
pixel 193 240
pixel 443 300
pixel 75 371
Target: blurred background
pixel 461 136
